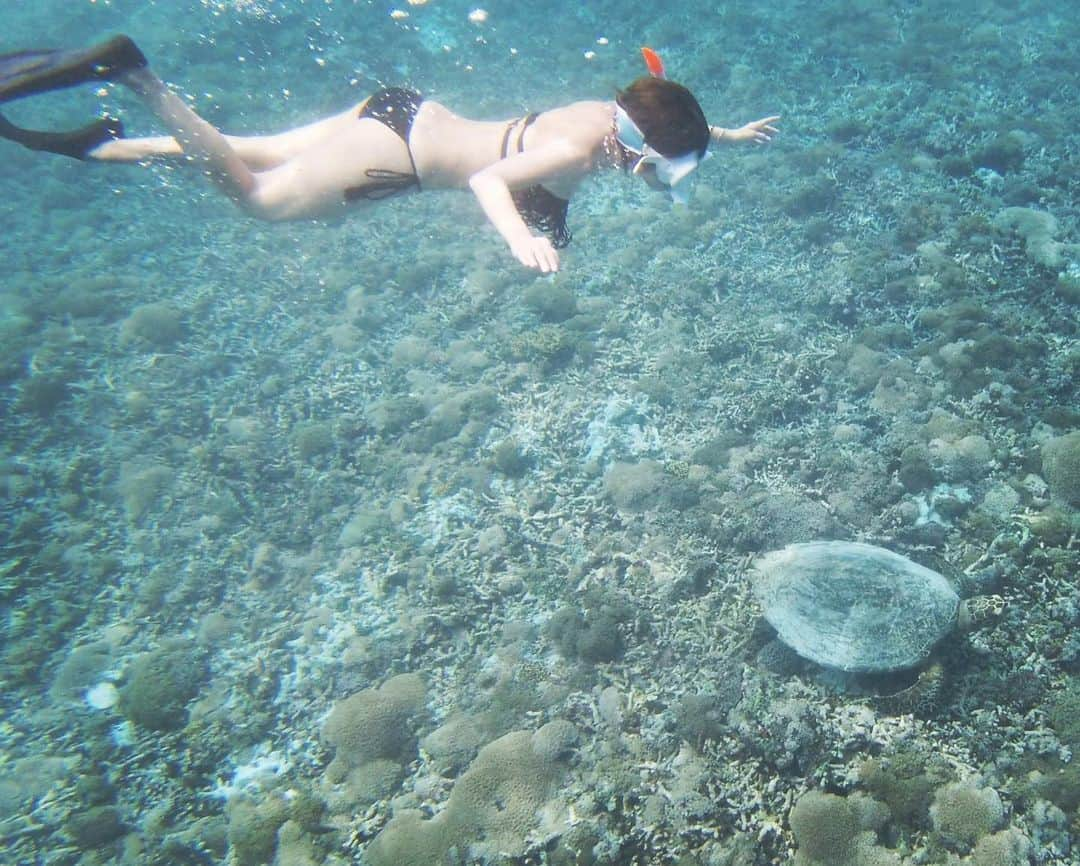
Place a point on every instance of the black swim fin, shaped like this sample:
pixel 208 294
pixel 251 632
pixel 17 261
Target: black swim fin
pixel 77 143
pixel 24 73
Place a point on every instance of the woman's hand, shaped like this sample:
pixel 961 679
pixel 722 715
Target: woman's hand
pixel 536 252
pixel 758 131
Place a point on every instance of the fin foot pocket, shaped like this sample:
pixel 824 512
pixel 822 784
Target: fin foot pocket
pixel 77 143
pixel 24 73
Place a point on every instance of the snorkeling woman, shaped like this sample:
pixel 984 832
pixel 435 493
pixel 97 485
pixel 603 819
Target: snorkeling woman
pixel 522 171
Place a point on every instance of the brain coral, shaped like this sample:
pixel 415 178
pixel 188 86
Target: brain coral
pixel 1061 467
pixel 494 807
pixel 1006 848
pixel 495 803
pixel 831 830
pixel 962 813
pixel 160 684
pixel 824 826
pixel 411 840
pixel 374 723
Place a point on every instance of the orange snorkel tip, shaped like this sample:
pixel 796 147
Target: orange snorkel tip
pixel 653 62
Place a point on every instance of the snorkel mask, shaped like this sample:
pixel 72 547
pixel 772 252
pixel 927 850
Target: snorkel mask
pixel 672 172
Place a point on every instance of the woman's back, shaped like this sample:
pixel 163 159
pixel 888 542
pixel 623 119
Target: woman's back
pixel 449 149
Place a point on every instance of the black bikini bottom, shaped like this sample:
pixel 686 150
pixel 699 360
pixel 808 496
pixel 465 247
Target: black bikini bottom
pixel 395 108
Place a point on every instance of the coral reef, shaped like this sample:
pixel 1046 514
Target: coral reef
pixel 251 471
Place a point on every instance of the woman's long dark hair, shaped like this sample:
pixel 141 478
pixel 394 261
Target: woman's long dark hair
pixel 667 114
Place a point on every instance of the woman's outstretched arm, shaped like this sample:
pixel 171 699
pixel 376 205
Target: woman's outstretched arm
pixel 492 186
pixel 758 131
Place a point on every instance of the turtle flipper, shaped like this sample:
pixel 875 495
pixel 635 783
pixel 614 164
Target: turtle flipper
pixel 24 73
pixel 979 611
pixel 920 698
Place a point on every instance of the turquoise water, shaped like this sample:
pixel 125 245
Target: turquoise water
pixel 357 542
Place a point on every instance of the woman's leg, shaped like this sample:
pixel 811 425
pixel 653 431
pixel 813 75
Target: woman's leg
pixel 293 174
pixel 259 152
pixel 197 139
pixel 136 149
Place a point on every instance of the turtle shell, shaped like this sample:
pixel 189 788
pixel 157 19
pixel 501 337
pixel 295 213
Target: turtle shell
pixel 853 606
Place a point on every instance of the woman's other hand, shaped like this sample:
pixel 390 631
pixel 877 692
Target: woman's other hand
pixel 758 131
pixel 538 253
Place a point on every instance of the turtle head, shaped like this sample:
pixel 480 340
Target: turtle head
pixel 979 611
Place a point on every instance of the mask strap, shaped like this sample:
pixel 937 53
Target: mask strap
pixel 627 132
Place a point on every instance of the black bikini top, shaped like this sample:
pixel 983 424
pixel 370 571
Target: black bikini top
pixel 539 207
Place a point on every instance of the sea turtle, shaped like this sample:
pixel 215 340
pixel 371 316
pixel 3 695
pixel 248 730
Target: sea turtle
pixel 864 609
